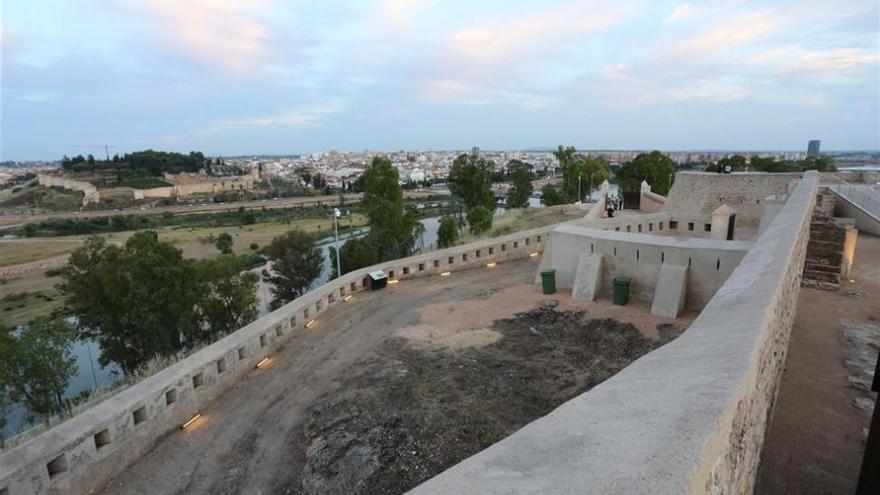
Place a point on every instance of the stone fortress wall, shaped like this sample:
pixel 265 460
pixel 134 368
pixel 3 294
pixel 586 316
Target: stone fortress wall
pixel 689 417
pixel 707 263
pixel 91 194
pixel 83 453
pixel 183 185
pixel 742 191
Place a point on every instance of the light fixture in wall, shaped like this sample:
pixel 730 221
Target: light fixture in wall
pixel 392 282
pixel 191 421
pixel 533 255
pixel 445 274
pixel 491 265
pixel 311 323
pixel 347 298
pixel 263 361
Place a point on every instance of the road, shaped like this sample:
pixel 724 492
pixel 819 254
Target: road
pixel 9 220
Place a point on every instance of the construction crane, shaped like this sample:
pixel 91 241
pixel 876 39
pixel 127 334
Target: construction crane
pixel 105 146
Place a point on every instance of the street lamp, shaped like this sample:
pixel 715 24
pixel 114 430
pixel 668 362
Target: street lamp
pixel 579 189
pixel 336 215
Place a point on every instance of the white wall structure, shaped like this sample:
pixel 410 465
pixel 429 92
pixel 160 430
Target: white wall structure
pixel 689 417
pixel 640 257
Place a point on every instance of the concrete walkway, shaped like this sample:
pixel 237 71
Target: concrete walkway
pixel 815 441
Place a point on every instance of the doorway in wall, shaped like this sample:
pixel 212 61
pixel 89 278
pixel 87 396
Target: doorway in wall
pixel 730 227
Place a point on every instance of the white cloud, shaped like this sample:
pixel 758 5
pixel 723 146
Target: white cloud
pixel 223 34
pixel 289 118
pixel 446 90
pixel 682 11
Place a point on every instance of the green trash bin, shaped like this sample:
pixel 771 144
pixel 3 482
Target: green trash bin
pixel 621 290
pixel 548 281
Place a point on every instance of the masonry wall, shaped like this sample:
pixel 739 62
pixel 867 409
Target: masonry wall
pixel 640 257
pixel 90 192
pixel 742 191
pixel 689 417
pixel 135 418
pixel 676 223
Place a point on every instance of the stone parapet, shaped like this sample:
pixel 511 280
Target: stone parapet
pixel 83 453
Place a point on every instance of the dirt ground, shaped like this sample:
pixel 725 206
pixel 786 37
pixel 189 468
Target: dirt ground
pixel 816 439
pixel 379 396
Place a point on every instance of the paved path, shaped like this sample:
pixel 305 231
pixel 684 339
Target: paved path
pixel 815 442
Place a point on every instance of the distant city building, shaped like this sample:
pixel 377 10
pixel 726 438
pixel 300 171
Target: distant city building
pixel 813 148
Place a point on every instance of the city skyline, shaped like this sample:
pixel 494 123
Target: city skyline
pixel 273 78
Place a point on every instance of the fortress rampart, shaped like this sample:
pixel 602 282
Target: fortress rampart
pixel 83 453
pixel 91 194
pixel 689 417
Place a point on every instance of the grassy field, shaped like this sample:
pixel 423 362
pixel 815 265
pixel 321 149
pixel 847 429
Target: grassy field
pixel 26 250
pixel 17 307
pixel 41 297
pixel 525 219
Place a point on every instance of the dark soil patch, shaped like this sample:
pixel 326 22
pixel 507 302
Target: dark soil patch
pixel 400 418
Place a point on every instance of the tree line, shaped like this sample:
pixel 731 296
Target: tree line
pixel 148 162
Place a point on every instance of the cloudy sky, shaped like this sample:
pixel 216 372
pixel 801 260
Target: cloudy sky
pixel 287 76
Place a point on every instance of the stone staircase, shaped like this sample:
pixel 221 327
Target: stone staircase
pixel 824 266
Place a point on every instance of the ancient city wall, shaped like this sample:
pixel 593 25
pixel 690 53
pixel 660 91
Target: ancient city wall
pixel 90 192
pixel 82 454
pixel 704 192
pixel 640 257
pixel 689 417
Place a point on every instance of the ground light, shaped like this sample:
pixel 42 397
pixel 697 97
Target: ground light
pixel 491 265
pixel 445 274
pixel 191 421
pixel 311 323
pixel 395 281
pixel 533 255
pixel 263 361
pixel 347 298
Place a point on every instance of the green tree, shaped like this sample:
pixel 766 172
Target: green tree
pixel 356 254
pixel 224 242
pixel 118 296
pixel 138 301
pixel 518 195
pixel 229 297
pixel 447 232
pixel 393 231
pixel 737 163
pixel 296 263
pixel 822 164
pixel 551 196
pixel 655 168
pixel 470 179
pixel 579 173
pixel 479 219
pixel 37 365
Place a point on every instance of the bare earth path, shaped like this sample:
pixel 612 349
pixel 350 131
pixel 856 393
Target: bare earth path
pixel 815 442
pixel 242 443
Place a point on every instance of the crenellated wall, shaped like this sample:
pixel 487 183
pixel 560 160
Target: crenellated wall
pixel 83 453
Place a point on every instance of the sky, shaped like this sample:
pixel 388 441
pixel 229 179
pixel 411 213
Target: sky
pixel 234 77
